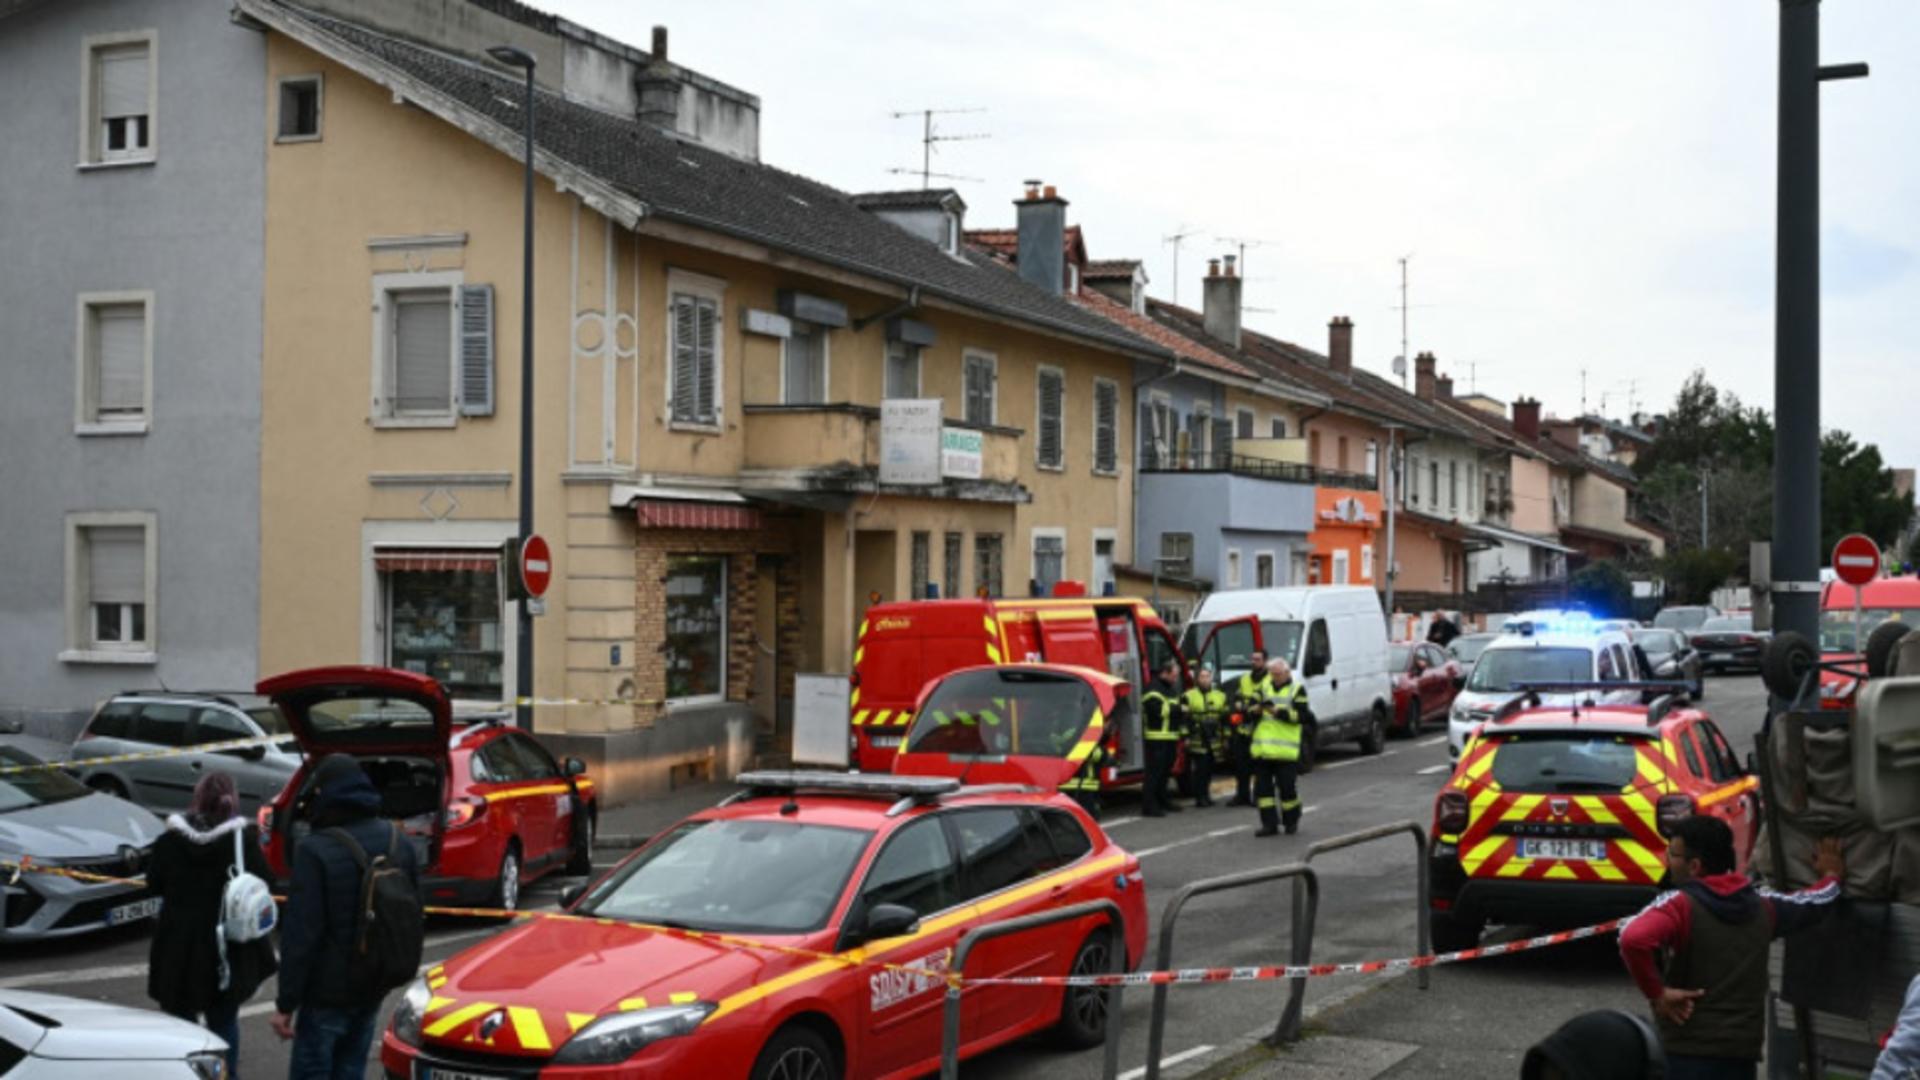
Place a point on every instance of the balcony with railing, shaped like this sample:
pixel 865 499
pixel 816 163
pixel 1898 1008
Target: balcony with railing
pixel 839 446
pixel 1236 463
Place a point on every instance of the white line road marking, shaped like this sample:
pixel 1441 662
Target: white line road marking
pixel 1215 834
pixel 1175 1059
pixel 1435 741
pixel 1117 822
pixel 99 974
pixel 1358 760
pixel 1431 769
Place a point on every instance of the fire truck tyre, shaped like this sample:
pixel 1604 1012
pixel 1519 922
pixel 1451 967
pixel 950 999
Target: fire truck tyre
pixel 1083 1009
pixel 1375 738
pixel 1788 659
pixel 1453 934
pixel 580 863
pixel 1880 646
pixel 506 891
pixel 796 1052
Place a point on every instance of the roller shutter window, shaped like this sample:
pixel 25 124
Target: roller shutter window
pixel 123 106
pixel 116 557
pixel 119 361
pixel 422 352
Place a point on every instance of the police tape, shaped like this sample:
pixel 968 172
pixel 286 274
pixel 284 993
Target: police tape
pixel 145 755
pixel 954 980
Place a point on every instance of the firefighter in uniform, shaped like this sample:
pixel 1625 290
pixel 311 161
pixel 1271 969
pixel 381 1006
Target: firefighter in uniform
pixel 1247 695
pixel 1160 708
pixel 1276 752
pixel 1084 785
pixel 1206 711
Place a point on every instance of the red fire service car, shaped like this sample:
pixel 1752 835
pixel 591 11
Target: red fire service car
pixel 733 945
pixel 1883 600
pixel 486 807
pixel 1425 681
pixel 1558 816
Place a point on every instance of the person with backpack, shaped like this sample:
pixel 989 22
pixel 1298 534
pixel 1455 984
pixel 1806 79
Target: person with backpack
pixel 198 968
pixel 352 929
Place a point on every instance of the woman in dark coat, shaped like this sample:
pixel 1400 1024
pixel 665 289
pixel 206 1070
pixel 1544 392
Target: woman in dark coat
pixel 191 863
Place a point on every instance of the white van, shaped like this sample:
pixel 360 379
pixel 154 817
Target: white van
pixel 1335 638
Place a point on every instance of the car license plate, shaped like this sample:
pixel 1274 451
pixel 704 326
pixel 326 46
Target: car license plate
pixel 1582 850
pixel 884 742
pixel 134 912
pixel 435 1072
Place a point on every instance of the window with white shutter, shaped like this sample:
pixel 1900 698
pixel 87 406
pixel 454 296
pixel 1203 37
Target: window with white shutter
pixel 114 360
pixel 903 371
pixel 695 391
pixel 981 374
pixel 1106 426
pixel 120 92
pixel 1050 440
pixel 421 324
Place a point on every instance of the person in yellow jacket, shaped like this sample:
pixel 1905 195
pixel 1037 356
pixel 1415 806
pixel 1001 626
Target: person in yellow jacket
pixel 1248 692
pixel 1206 713
pixel 1083 786
pixel 1160 736
pixel 1282 722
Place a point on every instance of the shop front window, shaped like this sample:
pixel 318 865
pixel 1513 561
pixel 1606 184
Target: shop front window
pixel 446 623
pixel 696 627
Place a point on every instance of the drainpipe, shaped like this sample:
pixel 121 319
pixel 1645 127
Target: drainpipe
pixel 1133 532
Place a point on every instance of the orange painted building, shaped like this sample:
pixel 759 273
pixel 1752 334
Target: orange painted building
pixel 1346 523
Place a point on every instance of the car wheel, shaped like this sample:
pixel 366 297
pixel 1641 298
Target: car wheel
pixel 796 1053
pixel 1083 1009
pixel 506 892
pixel 107 785
pixel 1375 739
pixel 1790 658
pixel 581 864
pixel 1454 934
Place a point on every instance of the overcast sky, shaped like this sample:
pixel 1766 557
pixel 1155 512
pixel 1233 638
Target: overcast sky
pixel 1580 184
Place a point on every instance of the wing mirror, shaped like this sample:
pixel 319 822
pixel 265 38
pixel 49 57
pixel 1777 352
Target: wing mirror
pixel 575 767
pixel 1459 682
pixel 571 895
pixel 889 920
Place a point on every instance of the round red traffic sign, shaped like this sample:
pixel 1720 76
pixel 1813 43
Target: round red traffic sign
pixel 536 565
pixel 1856 559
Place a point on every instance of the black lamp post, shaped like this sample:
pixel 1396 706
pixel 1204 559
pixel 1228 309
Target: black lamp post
pixel 523 663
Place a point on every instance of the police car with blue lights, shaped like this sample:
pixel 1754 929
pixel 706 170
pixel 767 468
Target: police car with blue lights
pixel 1547 647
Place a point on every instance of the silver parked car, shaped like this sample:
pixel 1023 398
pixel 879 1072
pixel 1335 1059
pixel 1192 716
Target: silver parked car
pixel 137 723
pixel 47 818
pixel 50 1037
pixel 1671 656
pixel 1467 649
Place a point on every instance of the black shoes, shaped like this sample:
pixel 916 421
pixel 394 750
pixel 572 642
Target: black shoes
pixel 1294 828
pixel 1153 813
pixel 1268 831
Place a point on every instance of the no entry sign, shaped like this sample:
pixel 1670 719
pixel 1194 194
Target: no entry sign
pixel 536 565
pixel 1856 559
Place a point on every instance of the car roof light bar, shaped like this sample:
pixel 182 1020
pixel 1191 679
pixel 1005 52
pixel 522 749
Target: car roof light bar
pixel 787 781
pixel 1672 686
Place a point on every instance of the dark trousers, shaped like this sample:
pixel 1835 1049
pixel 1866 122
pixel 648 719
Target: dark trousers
pixel 1240 750
pixel 223 1021
pixel 1201 766
pixel 1688 1067
pixel 1153 794
pixel 1286 809
pixel 332 1044
pixel 1088 800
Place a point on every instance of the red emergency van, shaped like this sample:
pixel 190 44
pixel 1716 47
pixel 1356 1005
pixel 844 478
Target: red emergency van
pixel 1882 600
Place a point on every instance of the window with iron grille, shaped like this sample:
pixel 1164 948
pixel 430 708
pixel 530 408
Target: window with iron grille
pixel 980 374
pixel 1106 426
pixel 1176 554
pixel 987 563
pixel 1050 443
pixel 950 566
pixel 922 570
pixel 695 389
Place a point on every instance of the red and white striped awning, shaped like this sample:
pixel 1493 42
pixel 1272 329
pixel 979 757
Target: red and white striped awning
pixel 414 561
pixel 688 514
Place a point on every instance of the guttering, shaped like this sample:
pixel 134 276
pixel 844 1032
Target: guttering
pixel 911 303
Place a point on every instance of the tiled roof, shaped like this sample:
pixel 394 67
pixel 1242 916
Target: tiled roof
pixel 1108 308
pixel 929 197
pixel 1504 431
pixel 681 181
pixel 1005 243
pixel 1108 269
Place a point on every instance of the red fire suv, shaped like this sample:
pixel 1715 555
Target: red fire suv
pixel 486 807
pixel 1559 815
pixel 806 875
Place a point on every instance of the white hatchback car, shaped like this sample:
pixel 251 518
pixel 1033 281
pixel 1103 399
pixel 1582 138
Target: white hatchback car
pixel 1570 651
pixel 49 1037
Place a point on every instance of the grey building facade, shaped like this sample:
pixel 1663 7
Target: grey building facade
pixel 132 218
pixel 1230 524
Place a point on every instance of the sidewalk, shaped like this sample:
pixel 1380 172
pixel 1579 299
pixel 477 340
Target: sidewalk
pixel 1476 1021
pixel 623 828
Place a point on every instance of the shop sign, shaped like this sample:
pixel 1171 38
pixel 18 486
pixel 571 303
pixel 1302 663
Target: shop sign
pixel 910 449
pixel 962 453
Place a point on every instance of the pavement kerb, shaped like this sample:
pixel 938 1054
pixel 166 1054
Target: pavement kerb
pixel 620 841
pixel 1250 1051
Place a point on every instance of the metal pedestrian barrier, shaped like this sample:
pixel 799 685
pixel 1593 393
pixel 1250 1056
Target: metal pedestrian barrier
pixel 1422 920
pixel 950 1035
pixel 1302 930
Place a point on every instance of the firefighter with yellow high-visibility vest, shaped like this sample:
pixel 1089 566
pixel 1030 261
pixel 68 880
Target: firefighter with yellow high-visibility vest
pixel 1281 723
pixel 1206 711
pixel 1160 737
pixel 1083 786
pixel 1248 692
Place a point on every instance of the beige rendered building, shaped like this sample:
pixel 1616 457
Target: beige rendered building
pixel 714 341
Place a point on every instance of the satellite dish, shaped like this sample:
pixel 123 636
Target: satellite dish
pixel 1400 366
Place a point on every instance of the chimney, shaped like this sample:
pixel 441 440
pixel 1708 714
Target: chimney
pixel 1340 345
pixel 1526 418
pixel 659 43
pixel 1423 376
pixel 1443 387
pixel 1043 237
pixel 658 84
pixel 1220 307
pixel 1567 435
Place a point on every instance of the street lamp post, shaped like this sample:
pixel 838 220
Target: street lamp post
pixel 523 653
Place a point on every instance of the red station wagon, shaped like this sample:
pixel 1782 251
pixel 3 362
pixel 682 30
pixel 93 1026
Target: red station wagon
pixel 487 808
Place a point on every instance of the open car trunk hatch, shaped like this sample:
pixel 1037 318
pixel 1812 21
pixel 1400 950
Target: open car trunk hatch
pixel 1021 724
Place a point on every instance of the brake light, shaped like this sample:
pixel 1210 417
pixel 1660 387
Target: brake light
pixel 1452 815
pixel 465 811
pixel 1671 810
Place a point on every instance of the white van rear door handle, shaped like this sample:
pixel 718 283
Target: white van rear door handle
pixel 1336 684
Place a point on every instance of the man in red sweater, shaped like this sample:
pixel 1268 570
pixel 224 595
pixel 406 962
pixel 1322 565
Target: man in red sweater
pixel 1709 1002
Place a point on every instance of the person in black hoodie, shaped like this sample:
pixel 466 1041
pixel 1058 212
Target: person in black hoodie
pixel 336 1023
pixel 191 864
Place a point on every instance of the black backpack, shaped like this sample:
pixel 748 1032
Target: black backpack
pixel 389 929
